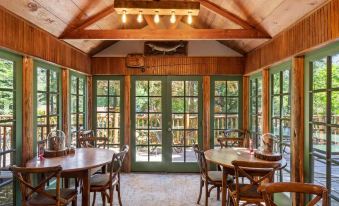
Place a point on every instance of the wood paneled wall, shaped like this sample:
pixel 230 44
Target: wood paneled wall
pixel 170 66
pixel 21 36
pixel 320 27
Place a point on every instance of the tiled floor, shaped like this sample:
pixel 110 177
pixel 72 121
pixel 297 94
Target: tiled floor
pixel 161 189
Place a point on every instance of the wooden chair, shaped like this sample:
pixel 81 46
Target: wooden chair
pixel 232 140
pixel 39 195
pixel 207 177
pixel 256 173
pixel 269 189
pixel 87 139
pixel 103 182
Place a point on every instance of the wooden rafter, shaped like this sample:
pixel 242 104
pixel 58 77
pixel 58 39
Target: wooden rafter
pixel 103 45
pixel 167 34
pixel 150 22
pixel 175 25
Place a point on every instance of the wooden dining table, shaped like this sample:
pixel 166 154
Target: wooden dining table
pixel 224 158
pixel 77 165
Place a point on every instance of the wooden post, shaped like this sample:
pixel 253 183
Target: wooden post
pixel 297 124
pixel 127 122
pixel 89 102
pixel 65 103
pixel 27 109
pixel 265 100
pixel 245 102
pixel 206 93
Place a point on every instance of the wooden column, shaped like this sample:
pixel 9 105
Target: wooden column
pixel 27 109
pixel 89 102
pixel 265 99
pixel 297 123
pixel 206 93
pixel 127 121
pixel 245 102
pixel 65 103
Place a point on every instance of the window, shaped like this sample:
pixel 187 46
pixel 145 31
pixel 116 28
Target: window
pixel 256 108
pixel 323 120
pixel 10 122
pixel 48 96
pixel 281 113
pixel 78 102
pixel 108 104
pixel 226 93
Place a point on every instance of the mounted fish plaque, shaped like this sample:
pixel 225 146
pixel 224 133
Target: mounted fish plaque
pixel 165 48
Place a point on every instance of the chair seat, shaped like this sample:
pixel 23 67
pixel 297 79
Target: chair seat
pixel 252 192
pixel 99 180
pixel 216 176
pixel 39 199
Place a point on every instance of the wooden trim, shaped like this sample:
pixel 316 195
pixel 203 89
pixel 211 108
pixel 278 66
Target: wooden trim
pixel 206 97
pixel 245 103
pixel 317 29
pixel 170 66
pixel 27 109
pixel 265 100
pixel 297 123
pixel 23 37
pixel 65 113
pixel 127 121
pixel 89 100
pixel 167 34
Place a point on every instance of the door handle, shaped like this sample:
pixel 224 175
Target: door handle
pixel 169 129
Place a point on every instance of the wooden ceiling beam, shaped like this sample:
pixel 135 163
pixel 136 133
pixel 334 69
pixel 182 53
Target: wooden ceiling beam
pixel 167 34
pixel 150 22
pixel 223 12
pixel 176 23
pixel 103 45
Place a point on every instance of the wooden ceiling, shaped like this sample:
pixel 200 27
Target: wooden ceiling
pixel 61 16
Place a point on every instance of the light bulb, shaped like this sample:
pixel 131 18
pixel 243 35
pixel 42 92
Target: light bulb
pixel 139 18
pixel 189 18
pixel 124 17
pixel 156 17
pixel 173 18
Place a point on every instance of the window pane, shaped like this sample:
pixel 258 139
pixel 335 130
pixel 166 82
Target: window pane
pixel 320 74
pixel 114 88
pixel 177 88
pixel 155 104
pixel 6 105
pixel 286 106
pixel 232 121
pixel 141 104
pixel 73 84
pixel 42 104
pixel 220 88
pixel 335 162
pixel 178 105
pixel 335 108
pixel 335 71
pixel 102 104
pixel 220 104
pixel 276 126
pixel 155 121
pixel 232 88
pixel 81 86
pixel 191 105
pixel 319 107
pixel 286 81
pixel 276 106
pixel 141 121
pixel 74 104
pixel 155 137
pixel 53 81
pixel 220 121
pixel 141 88
pixel 178 137
pixel 81 104
pixel 42 79
pixel 114 104
pixel 232 105
pixel 7 75
pixel 114 120
pixel 191 88
pixel 114 136
pixel 102 87
pixel 276 83
pixel 319 138
pixel 192 122
pixel 178 121
pixel 102 120
pixel 155 88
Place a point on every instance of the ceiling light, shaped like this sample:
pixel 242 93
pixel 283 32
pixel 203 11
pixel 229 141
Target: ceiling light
pixel 156 17
pixel 173 18
pixel 124 17
pixel 189 18
pixel 139 18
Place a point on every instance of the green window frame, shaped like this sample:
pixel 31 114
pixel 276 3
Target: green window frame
pixel 255 110
pixel 108 109
pixel 47 88
pixel 78 101
pixel 321 115
pixel 225 92
pixel 11 126
pixel 280 113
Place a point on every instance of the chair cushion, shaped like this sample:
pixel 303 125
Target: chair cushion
pixel 216 176
pixel 98 180
pixel 39 199
pixel 251 192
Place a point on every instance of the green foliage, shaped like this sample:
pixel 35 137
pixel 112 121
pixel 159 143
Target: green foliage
pixel 6 82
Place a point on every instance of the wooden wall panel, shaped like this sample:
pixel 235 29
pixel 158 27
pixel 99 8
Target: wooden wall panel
pixel 319 28
pixel 21 36
pixel 206 92
pixel 170 66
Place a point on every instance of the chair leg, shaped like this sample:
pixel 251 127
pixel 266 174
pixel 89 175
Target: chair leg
pixel 94 196
pixel 201 186
pixel 206 194
pixel 119 195
pixel 74 202
pixel 111 189
pixel 218 193
pixel 103 197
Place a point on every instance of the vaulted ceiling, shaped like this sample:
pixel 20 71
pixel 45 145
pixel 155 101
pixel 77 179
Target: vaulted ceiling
pixel 60 16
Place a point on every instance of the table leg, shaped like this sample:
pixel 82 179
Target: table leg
pixel 86 186
pixel 224 186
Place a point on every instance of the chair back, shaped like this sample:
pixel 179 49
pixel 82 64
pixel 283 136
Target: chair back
pixel 255 172
pixel 234 137
pixel 23 175
pixel 87 139
pixel 117 162
pixel 269 189
pixel 202 162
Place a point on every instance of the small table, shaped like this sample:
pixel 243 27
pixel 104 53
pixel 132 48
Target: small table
pixel 77 165
pixel 225 156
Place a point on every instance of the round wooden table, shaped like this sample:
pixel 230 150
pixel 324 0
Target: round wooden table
pixel 225 156
pixel 77 165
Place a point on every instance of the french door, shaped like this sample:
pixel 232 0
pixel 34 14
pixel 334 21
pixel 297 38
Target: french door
pixel 166 121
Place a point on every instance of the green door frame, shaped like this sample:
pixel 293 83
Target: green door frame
pixel 166 164
pixel 17 98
